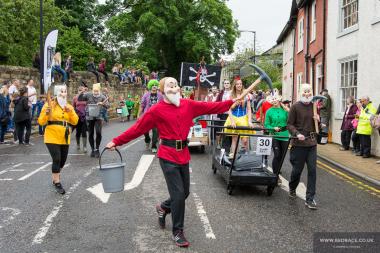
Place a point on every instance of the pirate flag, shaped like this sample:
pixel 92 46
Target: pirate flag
pixel 194 74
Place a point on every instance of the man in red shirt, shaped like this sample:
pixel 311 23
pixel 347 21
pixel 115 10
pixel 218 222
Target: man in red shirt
pixel 173 118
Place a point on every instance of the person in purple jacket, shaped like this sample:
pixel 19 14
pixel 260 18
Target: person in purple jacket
pixel 347 127
pixel 148 100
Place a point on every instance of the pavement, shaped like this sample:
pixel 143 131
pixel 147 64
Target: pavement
pixel 33 218
pixel 365 168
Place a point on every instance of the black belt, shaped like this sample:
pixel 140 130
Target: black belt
pixel 177 144
pixel 59 123
pixel 64 124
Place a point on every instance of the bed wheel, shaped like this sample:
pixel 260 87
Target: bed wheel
pixel 270 190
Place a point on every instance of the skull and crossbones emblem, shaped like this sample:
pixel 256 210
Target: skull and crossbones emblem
pixel 201 75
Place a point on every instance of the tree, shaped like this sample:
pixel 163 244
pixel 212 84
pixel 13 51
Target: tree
pixel 19 29
pixel 167 32
pixel 83 14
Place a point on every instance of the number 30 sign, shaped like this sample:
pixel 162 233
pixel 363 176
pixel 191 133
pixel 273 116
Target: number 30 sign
pixel 264 146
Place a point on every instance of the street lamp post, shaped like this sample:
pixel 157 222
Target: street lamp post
pixel 41 48
pixel 254 43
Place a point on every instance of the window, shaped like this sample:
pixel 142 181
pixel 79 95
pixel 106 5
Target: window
pixel 349 13
pixel 376 16
pixel 313 21
pixel 348 81
pixel 318 78
pixel 300 35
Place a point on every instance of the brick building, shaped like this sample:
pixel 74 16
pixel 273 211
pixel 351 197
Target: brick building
pixel 310 45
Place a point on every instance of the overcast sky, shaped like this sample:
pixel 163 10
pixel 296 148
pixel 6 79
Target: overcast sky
pixel 266 17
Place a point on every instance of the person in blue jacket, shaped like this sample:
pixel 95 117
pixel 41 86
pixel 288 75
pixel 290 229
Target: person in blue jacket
pixel 4 112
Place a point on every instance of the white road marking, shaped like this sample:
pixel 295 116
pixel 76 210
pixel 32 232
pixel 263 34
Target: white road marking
pixel 6 179
pixel 201 212
pixel 14 166
pixel 131 144
pixel 98 191
pixel 141 169
pixel 14 213
pixel 34 171
pixel 203 216
pixel 45 154
pixel 17 170
pixel 300 191
pixel 140 172
pixel 39 237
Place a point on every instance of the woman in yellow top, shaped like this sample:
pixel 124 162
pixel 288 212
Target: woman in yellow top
pixel 240 114
pixel 58 116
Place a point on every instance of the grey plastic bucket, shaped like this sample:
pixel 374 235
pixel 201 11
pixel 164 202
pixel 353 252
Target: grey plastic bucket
pixel 93 110
pixel 112 174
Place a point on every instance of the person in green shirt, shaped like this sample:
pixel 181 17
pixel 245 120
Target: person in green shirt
pixel 129 103
pixel 276 121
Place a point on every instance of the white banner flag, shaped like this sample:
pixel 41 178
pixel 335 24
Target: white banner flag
pixel 49 51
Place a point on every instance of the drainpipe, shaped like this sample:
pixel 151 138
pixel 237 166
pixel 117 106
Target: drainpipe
pixel 324 44
pixel 307 56
pixel 294 63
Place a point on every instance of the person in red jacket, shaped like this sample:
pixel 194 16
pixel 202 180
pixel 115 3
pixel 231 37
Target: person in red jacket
pixel 173 118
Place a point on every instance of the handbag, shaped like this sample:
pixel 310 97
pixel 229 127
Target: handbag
pixel 375 121
pixel 5 119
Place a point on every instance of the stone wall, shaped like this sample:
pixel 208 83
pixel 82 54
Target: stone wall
pixel 115 89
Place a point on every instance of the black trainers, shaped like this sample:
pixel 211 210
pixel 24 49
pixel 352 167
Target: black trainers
pixel 92 153
pixel 97 154
pixel 180 239
pixel 59 188
pixel 161 216
pixel 311 204
pixel 292 194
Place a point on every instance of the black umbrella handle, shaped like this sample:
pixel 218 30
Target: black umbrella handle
pixel 101 154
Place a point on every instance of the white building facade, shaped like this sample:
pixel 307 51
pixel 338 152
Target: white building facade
pixel 287 66
pixel 353 57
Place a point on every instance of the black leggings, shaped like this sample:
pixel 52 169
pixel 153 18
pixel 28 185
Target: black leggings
pixel 279 150
pixel 95 126
pixel 59 155
pixel 20 128
pixel 105 75
pixel 81 129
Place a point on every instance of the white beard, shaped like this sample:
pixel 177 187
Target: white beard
pixel 174 98
pixel 62 102
pixel 306 100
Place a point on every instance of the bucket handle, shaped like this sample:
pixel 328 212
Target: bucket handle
pixel 100 157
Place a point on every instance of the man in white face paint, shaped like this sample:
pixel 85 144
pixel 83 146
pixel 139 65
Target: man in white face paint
pixel 304 148
pixel 173 118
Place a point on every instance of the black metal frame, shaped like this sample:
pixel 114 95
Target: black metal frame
pixel 243 179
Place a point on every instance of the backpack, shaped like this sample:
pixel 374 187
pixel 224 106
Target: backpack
pixel 375 121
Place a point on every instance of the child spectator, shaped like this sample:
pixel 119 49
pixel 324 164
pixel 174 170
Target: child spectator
pixel 40 103
pixel 102 69
pixel 91 68
pixel 130 104
pixel 69 67
pixel 124 110
pixel 136 106
pixel 57 61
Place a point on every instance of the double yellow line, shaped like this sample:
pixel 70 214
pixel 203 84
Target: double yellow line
pixel 358 184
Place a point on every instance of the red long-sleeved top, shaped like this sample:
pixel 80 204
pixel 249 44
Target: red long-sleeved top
pixel 172 123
